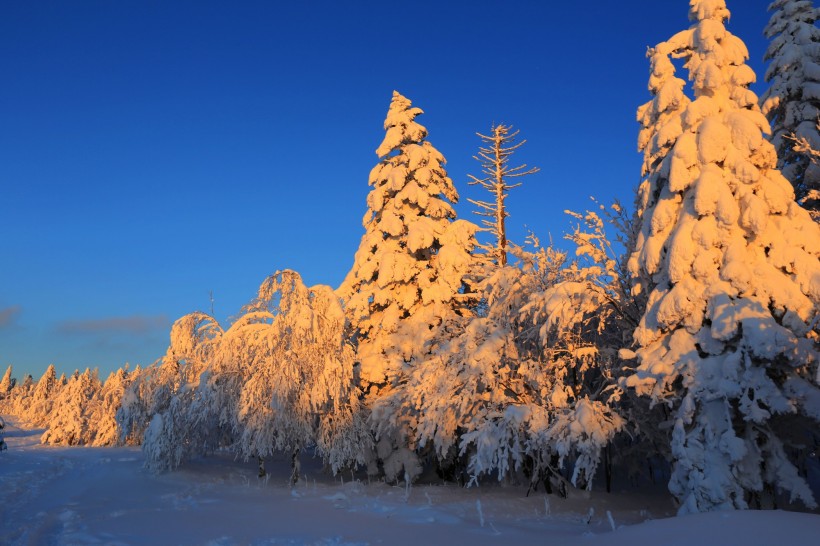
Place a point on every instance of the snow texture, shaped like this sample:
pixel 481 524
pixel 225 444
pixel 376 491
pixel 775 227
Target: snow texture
pixel 100 496
pixel 792 102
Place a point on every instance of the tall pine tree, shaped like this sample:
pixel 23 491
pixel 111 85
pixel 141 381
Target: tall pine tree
pixel 729 262
pixel 792 102
pixel 413 256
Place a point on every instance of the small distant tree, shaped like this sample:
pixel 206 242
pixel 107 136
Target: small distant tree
pixel 6 383
pixel 19 399
pixel 109 400
pixel 43 398
pixel 495 165
pixel 69 421
pixel 792 101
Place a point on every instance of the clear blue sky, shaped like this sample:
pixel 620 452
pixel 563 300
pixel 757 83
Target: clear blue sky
pixel 153 152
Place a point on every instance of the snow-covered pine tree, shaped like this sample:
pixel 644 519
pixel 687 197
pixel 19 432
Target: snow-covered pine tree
pixel 413 256
pixel 730 265
pixel 792 101
pixel 6 383
pixel 68 423
pixel 409 271
pixel 42 398
pixel 104 414
pixel 494 157
pixel 19 399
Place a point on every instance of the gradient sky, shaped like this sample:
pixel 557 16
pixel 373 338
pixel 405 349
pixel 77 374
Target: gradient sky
pixel 154 152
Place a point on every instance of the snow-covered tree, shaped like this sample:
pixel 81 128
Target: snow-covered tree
pixel 42 398
pixel 69 422
pixel 729 264
pixel 498 175
pixel 299 389
pixel 792 101
pixel 6 383
pixel 524 384
pixel 413 256
pixel 103 415
pixel 281 378
pixel 179 412
pixel 19 398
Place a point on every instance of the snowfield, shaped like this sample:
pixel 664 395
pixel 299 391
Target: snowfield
pixel 51 495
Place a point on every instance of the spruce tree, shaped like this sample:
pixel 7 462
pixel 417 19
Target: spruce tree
pixel 413 256
pixel 43 397
pixel 5 383
pixel 109 400
pixel 729 262
pixel 69 423
pixel 792 102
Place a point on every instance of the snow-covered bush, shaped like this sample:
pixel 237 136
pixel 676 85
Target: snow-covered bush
pixel 299 390
pixel 520 385
pixel 174 404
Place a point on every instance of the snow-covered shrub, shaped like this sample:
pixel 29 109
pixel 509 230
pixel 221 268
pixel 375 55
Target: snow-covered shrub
pixel 520 385
pixel 173 402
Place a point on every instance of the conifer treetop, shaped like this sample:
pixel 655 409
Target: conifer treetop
pixel 400 125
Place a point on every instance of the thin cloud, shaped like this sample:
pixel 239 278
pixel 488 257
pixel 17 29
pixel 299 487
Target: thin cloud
pixel 136 324
pixel 9 315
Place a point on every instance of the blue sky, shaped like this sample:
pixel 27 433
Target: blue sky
pixel 152 153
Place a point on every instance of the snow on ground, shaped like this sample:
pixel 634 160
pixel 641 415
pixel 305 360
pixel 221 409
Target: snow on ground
pixel 62 496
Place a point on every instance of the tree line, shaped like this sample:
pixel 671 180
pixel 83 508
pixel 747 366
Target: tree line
pixel 678 339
